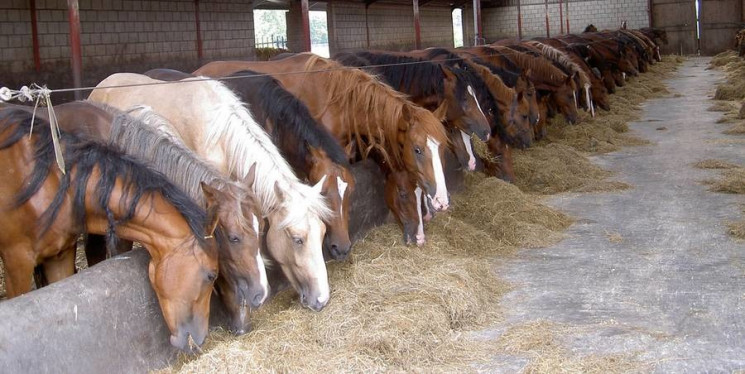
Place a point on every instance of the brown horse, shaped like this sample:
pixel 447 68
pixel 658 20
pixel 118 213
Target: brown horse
pixel 212 121
pixel 242 279
pixel 353 105
pixel 105 192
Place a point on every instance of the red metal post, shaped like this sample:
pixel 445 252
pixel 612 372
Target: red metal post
pixel 417 26
pixel 198 24
pixel 567 5
pixel 76 54
pixel 306 25
pixel 561 16
pixel 477 29
pixel 519 22
pixel 367 30
pixel 548 31
pixel 649 12
pixel 35 37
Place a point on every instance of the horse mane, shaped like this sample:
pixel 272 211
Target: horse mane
pixel 563 59
pixel 352 90
pixel 81 158
pixel 293 123
pixel 417 77
pixel 231 123
pixel 137 134
pixel 507 77
pixel 467 72
pixel 540 68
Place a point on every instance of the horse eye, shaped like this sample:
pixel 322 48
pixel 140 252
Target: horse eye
pixel 298 241
pixel 403 194
pixel 211 276
pixel 418 150
pixel 234 239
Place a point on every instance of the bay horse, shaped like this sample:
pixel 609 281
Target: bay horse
pixel 105 192
pixel 311 151
pixel 353 105
pixel 213 122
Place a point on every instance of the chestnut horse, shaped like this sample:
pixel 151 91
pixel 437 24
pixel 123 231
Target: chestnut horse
pixel 353 105
pixel 105 192
pixel 214 123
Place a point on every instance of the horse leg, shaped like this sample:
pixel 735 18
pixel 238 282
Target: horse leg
pixel 19 270
pixel 60 266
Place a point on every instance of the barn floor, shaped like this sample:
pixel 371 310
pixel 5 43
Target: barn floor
pixel 647 277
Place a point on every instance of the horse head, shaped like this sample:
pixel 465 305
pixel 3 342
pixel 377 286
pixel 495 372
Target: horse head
pixel 401 198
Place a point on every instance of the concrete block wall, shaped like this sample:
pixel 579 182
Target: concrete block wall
pixel 391 27
pixel 124 31
pixel 501 22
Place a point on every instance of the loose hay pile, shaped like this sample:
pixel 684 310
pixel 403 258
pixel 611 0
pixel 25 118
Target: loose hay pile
pixel 731 181
pixel 714 164
pixel 403 309
pixel 731 92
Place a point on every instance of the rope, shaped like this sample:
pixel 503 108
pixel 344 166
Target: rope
pixel 40 95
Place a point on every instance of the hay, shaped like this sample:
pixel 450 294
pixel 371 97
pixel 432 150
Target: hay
pixel 731 181
pixel 714 164
pixel 540 341
pixel 555 168
pixel 734 86
pixel 737 129
pixel 614 237
pixel 737 228
pixel 723 59
pixel 723 106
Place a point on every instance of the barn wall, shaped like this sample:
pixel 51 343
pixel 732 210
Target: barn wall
pixel 501 22
pixel 125 31
pixel 437 26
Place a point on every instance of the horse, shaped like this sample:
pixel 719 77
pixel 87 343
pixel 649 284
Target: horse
pixel 310 149
pixel 213 122
pixel 428 84
pixel 353 105
pixel 590 28
pixel 102 191
pixel 242 279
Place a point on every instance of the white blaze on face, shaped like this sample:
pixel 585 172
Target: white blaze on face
pixel 574 95
pixel 440 200
pixel 478 105
pixel 263 281
pixel 589 100
pixel 420 238
pixel 623 75
pixel 342 189
pixel 318 265
pixel 469 149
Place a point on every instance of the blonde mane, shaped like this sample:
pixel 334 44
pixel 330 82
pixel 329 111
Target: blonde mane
pixel 560 57
pixel 540 68
pixel 246 144
pixel 375 111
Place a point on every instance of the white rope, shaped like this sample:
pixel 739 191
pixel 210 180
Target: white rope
pixel 40 95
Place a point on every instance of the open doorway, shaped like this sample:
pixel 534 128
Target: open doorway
pixel 319 34
pixel 457 27
pixel 270 32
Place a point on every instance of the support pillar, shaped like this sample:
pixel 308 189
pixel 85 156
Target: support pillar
pixel 76 53
pixel 306 25
pixel 561 16
pixel 35 37
pixel 548 31
pixel 519 22
pixel 417 26
pixel 198 25
pixel 477 29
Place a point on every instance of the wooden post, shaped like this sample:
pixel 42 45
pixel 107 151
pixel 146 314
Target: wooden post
pixel 519 22
pixel 548 31
pixel 200 54
pixel 306 25
pixel 561 16
pixel 477 29
pixel 76 54
pixel 35 36
pixel 417 26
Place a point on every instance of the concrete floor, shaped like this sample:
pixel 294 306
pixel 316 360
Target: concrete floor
pixel 672 291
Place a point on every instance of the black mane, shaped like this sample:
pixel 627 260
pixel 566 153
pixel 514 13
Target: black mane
pixel 81 157
pixel 294 127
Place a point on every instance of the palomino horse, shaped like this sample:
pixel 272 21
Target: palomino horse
pixel 242 279
pixel 311 151
pixel 105 192
pixel 353 105
pixel 213 122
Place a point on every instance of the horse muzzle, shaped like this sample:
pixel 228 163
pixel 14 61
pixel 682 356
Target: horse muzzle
pixel 337 249
pixel 313 302
pixel 197 329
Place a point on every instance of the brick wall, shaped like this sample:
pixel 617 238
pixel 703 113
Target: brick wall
pixel 124 31
pixel 390 26
pixel 501 22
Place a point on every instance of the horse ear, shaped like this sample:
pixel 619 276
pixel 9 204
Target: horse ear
pixel 278 191
pixel 528 73
pixel 210 196
pixel 405 118
pixel 251 176
pixel 351 150
pixel 441 111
